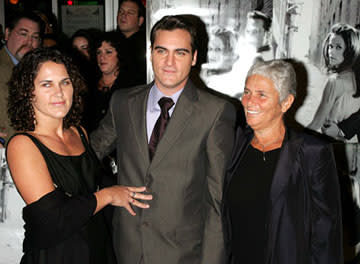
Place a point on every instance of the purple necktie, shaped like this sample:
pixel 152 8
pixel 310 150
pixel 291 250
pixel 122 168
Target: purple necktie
pixel 165 104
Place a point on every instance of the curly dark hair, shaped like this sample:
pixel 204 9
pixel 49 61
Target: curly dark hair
pixel 21 88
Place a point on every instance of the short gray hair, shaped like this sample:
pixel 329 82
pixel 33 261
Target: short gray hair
pixel 280 72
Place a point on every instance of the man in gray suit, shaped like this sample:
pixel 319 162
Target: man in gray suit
pixel 185 174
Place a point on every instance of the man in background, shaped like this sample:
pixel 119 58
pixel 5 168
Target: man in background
pixel 130 22
pixel 23 33
pixel 252 46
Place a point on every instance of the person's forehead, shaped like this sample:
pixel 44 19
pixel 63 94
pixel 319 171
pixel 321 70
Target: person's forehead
pixel 106 45
pixel 336 38
pixel 181 36
pixel 27 24
pixel 261 79
pixel 80 39
pixel 255 22
pixel 128 5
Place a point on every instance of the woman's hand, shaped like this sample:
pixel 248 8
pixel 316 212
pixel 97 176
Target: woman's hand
pixel 123 196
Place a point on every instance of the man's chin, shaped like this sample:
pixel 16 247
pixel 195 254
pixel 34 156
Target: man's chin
pixel 20 55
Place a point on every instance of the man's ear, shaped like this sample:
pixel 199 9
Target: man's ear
pixel 7 33
pixel 194 58
pixel 141 21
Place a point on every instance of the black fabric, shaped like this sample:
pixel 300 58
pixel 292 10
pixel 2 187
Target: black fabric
pixel 248 197
pixel 135 57
pixel 351 126
pixel 60 227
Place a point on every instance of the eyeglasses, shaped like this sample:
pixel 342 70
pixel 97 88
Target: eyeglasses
pixel 25 35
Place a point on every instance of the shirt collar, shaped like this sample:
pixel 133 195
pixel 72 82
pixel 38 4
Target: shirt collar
pixel 14 60
pixel 155 94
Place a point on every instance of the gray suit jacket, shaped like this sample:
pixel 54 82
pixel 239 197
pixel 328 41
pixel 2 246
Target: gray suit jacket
pixel 186 175
pixel 6 66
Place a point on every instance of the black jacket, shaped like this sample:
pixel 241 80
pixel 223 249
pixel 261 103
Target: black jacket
pixel 304 218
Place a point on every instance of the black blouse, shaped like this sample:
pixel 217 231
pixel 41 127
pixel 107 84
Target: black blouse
pixel 248 198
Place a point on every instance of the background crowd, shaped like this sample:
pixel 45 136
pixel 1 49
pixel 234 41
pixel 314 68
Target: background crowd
pixel 107 60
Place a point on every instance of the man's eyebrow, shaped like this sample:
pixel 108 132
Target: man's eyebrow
pixel 179 49
pixel 160 47
pixel 184 50
pixel 25 29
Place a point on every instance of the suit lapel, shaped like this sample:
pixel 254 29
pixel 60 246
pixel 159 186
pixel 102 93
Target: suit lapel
pixel 286 165
pixel 178 122
pixel 137 110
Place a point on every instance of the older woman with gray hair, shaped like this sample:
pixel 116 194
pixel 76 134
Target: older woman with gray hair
pixel 281 199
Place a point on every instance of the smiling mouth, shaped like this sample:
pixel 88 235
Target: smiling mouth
pixel 252 112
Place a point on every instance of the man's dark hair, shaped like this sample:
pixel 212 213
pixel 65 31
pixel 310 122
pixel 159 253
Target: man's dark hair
pixel 141 7
pixel 261 16
pixel 14 20
pixel 175 22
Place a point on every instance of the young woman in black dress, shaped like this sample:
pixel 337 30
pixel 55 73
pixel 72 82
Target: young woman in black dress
pixel 55 170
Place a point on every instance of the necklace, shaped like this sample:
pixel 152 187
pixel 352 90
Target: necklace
pixel 106 86
pixel 263 146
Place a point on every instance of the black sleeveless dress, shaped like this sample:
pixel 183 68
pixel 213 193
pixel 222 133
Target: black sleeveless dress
pixel 60 227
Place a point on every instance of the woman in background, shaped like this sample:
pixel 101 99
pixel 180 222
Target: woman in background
pixel 340 99
pixel 54 169
pixel 82 41
pixel 281 200
pixel 341 96
pixel 113 74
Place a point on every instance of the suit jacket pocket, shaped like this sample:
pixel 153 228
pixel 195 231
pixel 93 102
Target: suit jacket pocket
pixel 189 232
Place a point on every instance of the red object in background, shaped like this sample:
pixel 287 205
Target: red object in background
pixel 144 2
pixel 70 2
pixel 14 2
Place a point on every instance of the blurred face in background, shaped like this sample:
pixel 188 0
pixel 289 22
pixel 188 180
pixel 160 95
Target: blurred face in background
pixel 336 50
pixel 128 19
pixel 82 45
pixel 107 59
pixel 216 51
pixel 24 37
pixel 255 32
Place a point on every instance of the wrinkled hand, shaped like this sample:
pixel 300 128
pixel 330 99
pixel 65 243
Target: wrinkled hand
pixel 126 196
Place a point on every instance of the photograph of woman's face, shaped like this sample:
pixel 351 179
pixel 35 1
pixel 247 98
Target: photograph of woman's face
pixel 216 53
pixel 336 48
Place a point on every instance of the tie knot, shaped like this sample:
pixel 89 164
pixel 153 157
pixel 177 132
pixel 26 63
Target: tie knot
pixel 165 103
